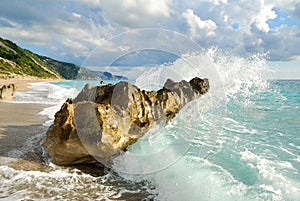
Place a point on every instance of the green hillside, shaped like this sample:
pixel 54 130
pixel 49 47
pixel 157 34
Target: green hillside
pixel 16 60
pixel 66 70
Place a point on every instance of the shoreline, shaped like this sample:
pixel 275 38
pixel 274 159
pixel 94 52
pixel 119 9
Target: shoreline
pixel 22 132
pixel 21 125
pixel 19 122
pixel 22 83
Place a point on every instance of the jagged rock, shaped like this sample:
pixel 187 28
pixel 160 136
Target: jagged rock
pixel 104 120
pixel 7 91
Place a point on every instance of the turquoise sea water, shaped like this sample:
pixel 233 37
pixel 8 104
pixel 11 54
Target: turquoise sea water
pixel 253 155
pixel 241 141
pixel 250 151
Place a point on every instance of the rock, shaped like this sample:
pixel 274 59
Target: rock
pixel 7 92
pixel 103 121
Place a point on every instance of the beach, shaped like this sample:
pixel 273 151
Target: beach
pixel 23 82
pixel 20 124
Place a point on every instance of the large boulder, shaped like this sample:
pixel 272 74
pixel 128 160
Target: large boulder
pixel 7 92
pixel 103 121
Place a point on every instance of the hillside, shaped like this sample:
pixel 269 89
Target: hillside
pixel 15 60
pixel 66 70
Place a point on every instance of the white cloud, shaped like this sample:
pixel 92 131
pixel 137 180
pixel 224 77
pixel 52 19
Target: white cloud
pixel 123 48
pixel 134 13
pixel 258 41
pixel 288 43
pixel 266 13
pixel 77 15
pixel 286 70
pixel 218 2
pixel 282 4
pixel 199 28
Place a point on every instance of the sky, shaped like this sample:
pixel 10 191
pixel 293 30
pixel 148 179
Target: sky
pixel 71 30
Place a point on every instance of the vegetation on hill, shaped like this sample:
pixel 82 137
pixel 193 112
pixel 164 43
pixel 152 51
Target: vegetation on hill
pixel 66 70
pixel 16 60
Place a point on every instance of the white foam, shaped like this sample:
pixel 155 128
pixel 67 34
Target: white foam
pixel 297 159
pixel 271 175
pixel 46 93
pixel 55 184
pixel 50 112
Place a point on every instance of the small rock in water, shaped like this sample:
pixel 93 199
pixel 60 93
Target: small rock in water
pixel 102 82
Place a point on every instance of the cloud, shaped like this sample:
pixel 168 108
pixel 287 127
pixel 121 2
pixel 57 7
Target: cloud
pixel 287 47
pixel 266 13
pixel 218 2
pixel 296 11
pixel 132 13
pixel 6 23
pixel 199 28
pixel 53 28
pixel 286 5
pixel 70 30
pixel 147 57
pixel 131 48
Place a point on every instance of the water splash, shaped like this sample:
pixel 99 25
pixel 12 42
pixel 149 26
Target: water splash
pixel 222 127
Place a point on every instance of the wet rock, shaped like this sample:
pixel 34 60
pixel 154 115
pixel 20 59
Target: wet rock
pixel 103 121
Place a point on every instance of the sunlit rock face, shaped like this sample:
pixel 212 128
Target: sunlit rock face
pixel 103 121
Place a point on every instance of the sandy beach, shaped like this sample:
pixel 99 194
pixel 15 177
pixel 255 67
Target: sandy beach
pixel 21 127
pixel 21 131
pixel 23 82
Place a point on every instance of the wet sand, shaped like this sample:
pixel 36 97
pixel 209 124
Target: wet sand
pixel 21 135
pixel 19 124
pixel 20 114
pixel 21 127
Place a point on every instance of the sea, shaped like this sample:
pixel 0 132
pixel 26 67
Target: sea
pixel 240 141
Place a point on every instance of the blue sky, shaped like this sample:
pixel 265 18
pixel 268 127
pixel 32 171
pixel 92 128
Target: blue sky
pixel 71 30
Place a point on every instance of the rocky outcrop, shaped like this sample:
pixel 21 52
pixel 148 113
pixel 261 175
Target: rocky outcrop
pixel 7 92
pixel 103 121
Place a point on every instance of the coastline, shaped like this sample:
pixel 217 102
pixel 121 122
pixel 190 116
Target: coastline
pixel 21 126
pixel 23 82
pixel 22 131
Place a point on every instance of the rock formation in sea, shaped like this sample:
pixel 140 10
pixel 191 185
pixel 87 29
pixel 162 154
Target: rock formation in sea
pixel 7 92
pixel 103 121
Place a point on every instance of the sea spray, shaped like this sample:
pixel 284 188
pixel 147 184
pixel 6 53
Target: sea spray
pixel 224 171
